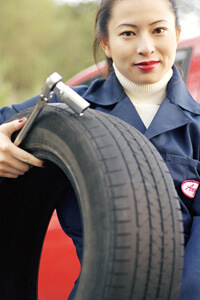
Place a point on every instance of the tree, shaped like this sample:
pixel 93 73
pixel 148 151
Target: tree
pixel 39 38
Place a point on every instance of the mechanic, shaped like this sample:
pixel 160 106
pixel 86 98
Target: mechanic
pixel 145 89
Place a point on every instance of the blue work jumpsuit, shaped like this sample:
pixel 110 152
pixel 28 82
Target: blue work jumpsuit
pixel 175 132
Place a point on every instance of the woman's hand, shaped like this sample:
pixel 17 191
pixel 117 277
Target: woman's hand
pixel 13 160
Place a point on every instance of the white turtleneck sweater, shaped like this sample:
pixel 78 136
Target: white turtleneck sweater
pixel 146 98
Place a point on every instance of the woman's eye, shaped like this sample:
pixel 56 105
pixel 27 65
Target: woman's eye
pixel 128 33
pixel 159 30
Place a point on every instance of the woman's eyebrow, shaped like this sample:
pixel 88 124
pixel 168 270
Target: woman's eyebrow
pixel 135 26
pixel 158 22
pixel 126 24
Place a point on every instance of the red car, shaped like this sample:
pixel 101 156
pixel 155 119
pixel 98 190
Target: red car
pixel 59 266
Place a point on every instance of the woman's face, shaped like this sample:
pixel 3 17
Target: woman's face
pixel 142 39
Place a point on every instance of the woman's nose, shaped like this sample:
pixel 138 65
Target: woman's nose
pixel 145 46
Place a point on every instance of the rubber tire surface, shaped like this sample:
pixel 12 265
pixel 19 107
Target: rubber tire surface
pixel 133 241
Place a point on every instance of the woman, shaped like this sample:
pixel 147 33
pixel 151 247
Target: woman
pixel 145 89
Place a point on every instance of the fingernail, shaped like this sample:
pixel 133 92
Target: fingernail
pixel 45 164
pixel 21 120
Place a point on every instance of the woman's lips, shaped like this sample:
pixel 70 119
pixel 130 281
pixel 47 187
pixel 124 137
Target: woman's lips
pixel 147 65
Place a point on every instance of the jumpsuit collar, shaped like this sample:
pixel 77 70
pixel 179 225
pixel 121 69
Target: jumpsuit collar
pixel 175 110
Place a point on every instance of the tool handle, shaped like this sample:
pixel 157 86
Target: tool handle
pixel 23 132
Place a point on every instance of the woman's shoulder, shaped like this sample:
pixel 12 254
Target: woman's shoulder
pixel 103 91
pixel 179 94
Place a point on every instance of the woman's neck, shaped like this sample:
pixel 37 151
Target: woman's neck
pixel 147 93
pixel 146 98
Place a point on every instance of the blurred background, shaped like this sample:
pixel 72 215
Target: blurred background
pixel 39 37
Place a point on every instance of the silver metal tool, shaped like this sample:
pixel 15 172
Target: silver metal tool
pixel 66 94
pixel 71 98
pixel 41 102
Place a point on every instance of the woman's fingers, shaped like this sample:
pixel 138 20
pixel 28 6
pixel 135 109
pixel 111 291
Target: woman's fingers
pixel 19 156
pixel 9 128
pixel 7 171
pixel 13 160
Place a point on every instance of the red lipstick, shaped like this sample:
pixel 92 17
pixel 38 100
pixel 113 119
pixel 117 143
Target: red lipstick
pixel 147 65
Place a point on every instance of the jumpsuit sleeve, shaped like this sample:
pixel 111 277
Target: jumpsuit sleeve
pixel 9 111
pixel 190 289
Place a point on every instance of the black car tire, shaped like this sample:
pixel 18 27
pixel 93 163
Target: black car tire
pixel 133 241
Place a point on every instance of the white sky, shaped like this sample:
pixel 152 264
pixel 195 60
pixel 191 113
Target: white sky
pixel 190 26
